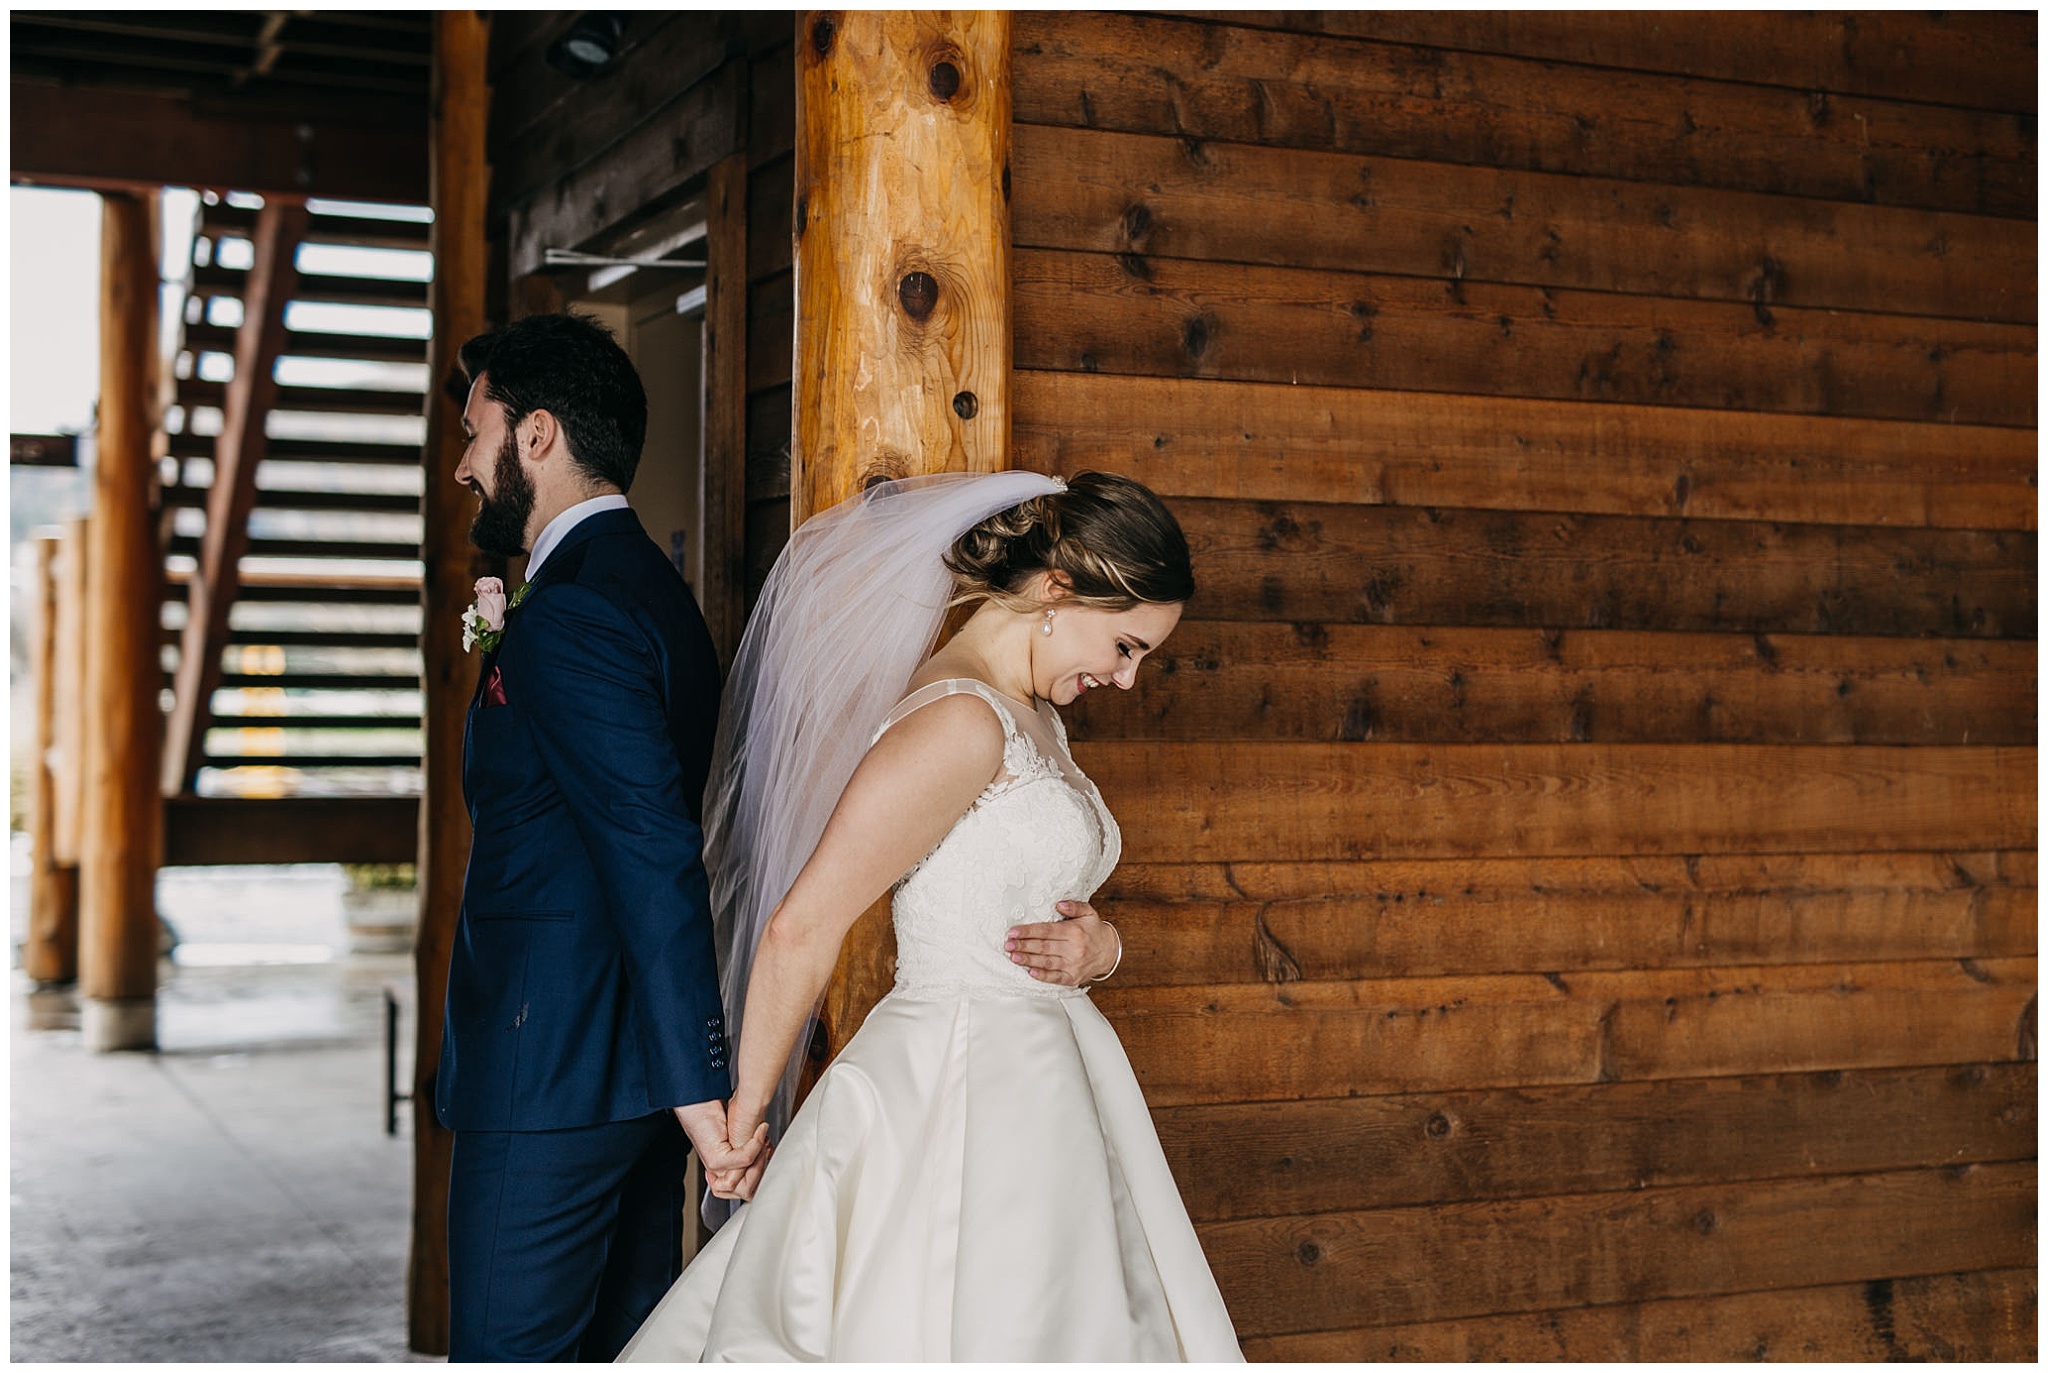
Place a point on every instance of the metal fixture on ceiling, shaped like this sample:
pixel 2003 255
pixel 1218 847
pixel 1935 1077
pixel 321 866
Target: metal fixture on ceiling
pixel 589 46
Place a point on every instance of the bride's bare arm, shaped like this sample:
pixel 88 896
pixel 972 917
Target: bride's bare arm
pixel 908 791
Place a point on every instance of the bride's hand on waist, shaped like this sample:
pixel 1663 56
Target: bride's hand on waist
pixel 1079 949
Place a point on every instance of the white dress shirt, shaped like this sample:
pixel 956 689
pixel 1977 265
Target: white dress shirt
pixel 563 523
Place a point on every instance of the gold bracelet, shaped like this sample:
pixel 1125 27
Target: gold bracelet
pixel 1119 955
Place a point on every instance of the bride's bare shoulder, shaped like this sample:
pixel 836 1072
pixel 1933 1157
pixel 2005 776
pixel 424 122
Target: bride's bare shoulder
pixel 955 735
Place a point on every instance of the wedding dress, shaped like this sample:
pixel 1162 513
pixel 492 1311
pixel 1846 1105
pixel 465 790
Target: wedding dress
pixel 976 1176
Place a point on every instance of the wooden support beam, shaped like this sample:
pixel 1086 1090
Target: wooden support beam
pixel 51 953
pixel 124 726
pixel 722 594
pixel 68 731
pixel 903 248
pixel 903 291
pixel 107 139
pixel 206 830
pixel 460 183
pixel 238 451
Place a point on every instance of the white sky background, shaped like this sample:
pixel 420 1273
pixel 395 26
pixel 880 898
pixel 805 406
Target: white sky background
pixel 53 310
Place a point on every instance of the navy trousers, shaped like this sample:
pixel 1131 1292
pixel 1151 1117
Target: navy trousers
pixel 560 1242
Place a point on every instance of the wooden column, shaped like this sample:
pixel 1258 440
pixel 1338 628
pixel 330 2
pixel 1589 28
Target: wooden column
pixel 460 178
pixel 902 248
pixel 723 594
pixel 51 953
pixel 124 724
pixel 238 451
pixel 903 291
pixel 68 730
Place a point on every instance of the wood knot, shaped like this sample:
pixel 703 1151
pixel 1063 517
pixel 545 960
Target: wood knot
pixel 803 214
pixel 1137 223
pixel 1706 1223
pixel 822 33
pixel 1438 1126
pixel 944 80
pixel 1309 1252
pixel 1194 336
pixel 919 293
pixel 885 466
pixel 965 405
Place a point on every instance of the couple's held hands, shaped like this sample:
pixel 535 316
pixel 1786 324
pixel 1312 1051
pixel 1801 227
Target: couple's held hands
pixel 730 1170
pixel 1081 948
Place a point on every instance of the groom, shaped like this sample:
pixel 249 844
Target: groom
pixel 584 1038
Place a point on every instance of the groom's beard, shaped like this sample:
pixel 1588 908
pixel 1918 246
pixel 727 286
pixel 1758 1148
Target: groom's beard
pixel 500 523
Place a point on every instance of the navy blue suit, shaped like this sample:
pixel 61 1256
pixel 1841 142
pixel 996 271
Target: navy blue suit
pixel 583 996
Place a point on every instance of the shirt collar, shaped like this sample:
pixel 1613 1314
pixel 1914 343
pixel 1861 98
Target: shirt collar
pixel 561 524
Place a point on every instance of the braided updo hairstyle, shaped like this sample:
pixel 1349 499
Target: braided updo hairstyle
pixel 1112 541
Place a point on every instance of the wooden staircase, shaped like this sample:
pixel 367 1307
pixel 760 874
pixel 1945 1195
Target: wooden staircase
pixel 291 501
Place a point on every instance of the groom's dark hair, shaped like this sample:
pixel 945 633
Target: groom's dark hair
pixel 570 366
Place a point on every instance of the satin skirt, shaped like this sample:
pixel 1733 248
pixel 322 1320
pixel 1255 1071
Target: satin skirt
pixel 973 1179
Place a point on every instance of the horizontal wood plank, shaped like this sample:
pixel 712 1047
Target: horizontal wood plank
pixel 1336 444
pixel 1203 81
pixel 1333 922
pixel 1167 317
pixel 1252 681
pixel 1968 1317
pixel 208 830
pixel 1220 803
pixel 1333 564
pixel 1305 1040
pixel 1300 1158
pixel 1982 60
pixel 1430 1263
pixel 1152 197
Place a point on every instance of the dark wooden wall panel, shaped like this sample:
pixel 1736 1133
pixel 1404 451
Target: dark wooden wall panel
pixel 575 162
pixel 1582 899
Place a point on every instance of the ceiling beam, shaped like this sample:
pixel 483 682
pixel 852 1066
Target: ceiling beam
pixel 116 140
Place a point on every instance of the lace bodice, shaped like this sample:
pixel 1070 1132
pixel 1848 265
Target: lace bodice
pixel 1038 835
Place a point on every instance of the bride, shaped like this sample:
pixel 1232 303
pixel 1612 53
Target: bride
pixel 976 1175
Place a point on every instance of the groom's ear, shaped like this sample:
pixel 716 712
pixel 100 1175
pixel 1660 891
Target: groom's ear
pixel 538 432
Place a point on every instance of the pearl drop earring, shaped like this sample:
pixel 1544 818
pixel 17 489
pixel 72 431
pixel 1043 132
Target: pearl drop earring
pixel 1046 628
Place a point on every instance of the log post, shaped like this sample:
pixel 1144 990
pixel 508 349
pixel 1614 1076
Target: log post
pixel 459 178
pixel 51 954
pixel 902 256
pixel 68 729
pixel 723 593
pixel 124 724
pixel 902 248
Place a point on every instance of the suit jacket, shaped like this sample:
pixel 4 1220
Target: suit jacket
pixel 583 987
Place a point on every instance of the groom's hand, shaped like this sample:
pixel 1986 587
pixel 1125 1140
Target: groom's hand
pixel 739 1184
pixel 704 1123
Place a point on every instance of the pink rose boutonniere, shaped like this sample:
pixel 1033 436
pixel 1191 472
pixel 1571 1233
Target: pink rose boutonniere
pixel 484 621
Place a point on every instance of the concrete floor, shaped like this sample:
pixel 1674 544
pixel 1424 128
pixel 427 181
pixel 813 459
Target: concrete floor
pixel 232 1197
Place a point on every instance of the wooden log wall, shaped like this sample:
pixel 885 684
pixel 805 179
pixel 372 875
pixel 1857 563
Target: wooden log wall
pixel 1580 888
